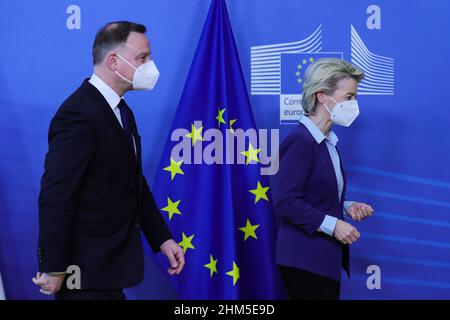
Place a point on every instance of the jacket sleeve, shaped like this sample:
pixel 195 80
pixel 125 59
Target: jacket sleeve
pixel 71 146
pixel 152 223
pixel 296 159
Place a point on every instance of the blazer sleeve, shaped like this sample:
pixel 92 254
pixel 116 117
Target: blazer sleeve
pixel 296 160
pixel 152 223
pixel 71 146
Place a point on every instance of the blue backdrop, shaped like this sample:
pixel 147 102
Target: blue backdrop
pixel 396 153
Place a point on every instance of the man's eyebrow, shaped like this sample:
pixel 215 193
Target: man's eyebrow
pixel 143 54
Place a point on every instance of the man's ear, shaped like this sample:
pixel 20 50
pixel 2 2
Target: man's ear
pixel 111 61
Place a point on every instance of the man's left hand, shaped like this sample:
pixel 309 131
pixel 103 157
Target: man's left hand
pixel 175 254
pixel 49 283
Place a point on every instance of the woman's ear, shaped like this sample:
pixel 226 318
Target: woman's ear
pixel 320 97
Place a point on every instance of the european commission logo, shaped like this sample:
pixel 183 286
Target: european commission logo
pixel 278 69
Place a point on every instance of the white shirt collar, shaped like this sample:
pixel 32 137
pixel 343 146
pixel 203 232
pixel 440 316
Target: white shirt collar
pixel 317 133
pixel 110 95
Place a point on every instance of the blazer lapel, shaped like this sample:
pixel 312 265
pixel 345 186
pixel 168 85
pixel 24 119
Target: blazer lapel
pixel 344 178
pixel 331 169
pixel 107 112
pixel 137 139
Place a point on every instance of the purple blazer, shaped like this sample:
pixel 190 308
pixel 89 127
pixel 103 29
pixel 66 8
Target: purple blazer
pixel 304 191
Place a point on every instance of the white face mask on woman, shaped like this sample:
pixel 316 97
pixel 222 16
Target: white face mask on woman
pixel 344 113
pixel 145 76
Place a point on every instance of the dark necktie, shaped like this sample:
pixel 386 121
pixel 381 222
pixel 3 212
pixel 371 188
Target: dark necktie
pixel 125 116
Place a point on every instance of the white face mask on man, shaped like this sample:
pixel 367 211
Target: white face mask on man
pixel 344 113
pixel 145 76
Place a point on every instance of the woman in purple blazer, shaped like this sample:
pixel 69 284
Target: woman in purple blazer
pixel 309 191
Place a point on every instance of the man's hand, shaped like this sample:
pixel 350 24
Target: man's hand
pixel 345 232
pixel 49 283
pixel 175 254
pixel 359 211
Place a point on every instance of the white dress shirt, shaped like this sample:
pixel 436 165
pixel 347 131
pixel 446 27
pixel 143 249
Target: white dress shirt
pixel 329 223
pixel 111 97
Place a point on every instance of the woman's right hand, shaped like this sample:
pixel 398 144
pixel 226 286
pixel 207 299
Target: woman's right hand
pixel 345 232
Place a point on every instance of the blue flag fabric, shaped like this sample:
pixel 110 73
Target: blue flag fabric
pixel 220 213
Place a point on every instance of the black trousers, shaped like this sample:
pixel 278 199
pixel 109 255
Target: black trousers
pixel 304 285
pixel 66 294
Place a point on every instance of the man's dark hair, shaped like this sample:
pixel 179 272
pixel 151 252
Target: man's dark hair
pixel 113 35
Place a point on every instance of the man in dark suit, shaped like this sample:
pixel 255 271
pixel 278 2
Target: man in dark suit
pixel 94 198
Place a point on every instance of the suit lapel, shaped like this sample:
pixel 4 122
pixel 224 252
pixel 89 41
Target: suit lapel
pixel 137 139
pixel 111 118
pixel 138 152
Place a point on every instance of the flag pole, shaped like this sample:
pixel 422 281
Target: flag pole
pixel 2 291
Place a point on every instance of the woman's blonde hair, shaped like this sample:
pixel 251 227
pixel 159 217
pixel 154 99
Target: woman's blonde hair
pixel 323 75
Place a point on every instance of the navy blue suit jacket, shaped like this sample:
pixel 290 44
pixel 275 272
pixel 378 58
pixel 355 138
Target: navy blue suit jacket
pixel 305 190
pixel 94 199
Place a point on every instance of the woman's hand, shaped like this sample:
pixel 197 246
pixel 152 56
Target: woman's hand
pixel 359 211
pixel 345 232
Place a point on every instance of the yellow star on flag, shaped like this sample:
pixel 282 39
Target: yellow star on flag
pixel 212 265
pixel 196 134
pixel 232 121
pixel 299 80
pixel 251 154
pixel 297 74
pixel 304 61
pixel 260 192
pixel 234 273
pixel 249 230
pixel 174 168
pixel 171 208
pixel 299 66
pixel 311 59
pixel 186 242
pixel 220 117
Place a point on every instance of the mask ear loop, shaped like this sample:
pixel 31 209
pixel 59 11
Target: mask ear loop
pixel 126 61
pixel 326 107
pixel 117 72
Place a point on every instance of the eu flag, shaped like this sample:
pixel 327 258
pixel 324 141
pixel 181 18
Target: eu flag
pixel 209 185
